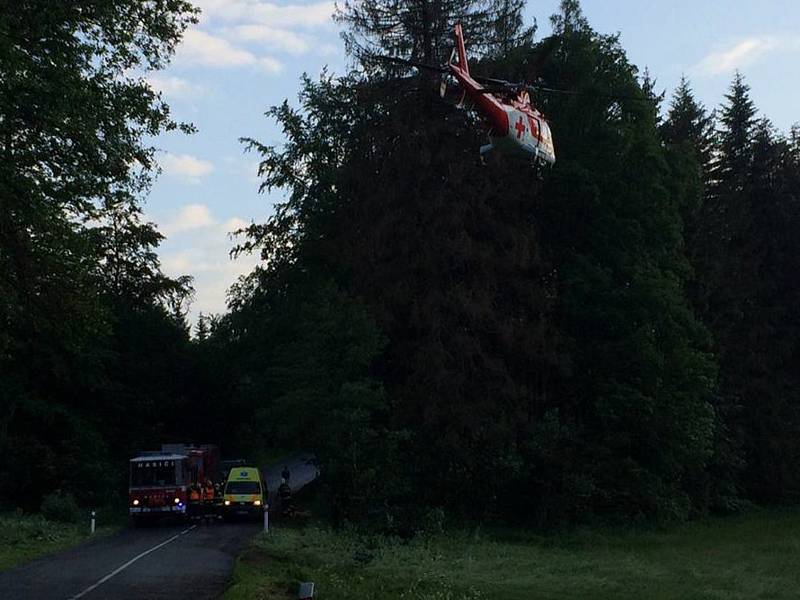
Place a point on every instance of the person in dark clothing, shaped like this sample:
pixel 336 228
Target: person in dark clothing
pixel 285 496
pixel 286 473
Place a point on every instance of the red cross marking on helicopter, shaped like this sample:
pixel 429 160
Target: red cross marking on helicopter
pixel 520 127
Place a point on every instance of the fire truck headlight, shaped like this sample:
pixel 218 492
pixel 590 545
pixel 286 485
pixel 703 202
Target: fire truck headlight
pixel 177 500
pixel 227 502
pixel 257 502
pixel 136 503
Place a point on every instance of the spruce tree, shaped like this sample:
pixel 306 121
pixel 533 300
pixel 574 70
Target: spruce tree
pixel 689 136
pixel 760 366
pixel 688 126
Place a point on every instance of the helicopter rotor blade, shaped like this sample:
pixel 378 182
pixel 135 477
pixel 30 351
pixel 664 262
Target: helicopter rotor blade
pixel 501 85
pixel 492 81
pixel 411 63
pixel 549 90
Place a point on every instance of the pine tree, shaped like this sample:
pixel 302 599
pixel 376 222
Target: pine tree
pixel 689 126
pixel 689 136
pixel 743 249
pixel 688 133
pixel 760 367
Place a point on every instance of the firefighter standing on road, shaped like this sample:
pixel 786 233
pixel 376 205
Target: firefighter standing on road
pixel 194 492
pixel 285 495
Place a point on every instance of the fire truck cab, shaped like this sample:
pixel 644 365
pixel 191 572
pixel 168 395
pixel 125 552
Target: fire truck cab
pixel 174 482
pixel 158 485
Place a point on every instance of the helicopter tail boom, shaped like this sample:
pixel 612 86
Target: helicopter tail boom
pixel 461 49
pixel 486 103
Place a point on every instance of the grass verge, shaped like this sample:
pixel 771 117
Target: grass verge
pixel 23 538
pixel 748 556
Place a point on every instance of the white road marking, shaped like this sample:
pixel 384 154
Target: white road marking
pixel 130 562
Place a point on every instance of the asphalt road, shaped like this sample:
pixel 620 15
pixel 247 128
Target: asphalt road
pixel 193 560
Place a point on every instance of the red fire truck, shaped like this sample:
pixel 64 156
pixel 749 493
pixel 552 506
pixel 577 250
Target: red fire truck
pixel 170 481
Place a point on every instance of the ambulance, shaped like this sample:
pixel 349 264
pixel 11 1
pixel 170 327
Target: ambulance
pixel 245 494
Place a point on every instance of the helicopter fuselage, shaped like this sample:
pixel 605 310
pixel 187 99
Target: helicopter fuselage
pixel 515 126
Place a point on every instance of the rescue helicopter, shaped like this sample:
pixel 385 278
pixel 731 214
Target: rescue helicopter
pixel 515 126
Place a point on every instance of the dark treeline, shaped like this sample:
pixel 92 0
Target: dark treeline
pixel 93 342
pixel 616 337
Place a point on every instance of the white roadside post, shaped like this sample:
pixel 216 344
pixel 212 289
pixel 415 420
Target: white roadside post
pixel 94 515
pixel 266 518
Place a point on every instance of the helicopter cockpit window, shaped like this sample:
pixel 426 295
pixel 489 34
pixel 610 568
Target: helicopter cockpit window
pixel 546 135
pixel 535 126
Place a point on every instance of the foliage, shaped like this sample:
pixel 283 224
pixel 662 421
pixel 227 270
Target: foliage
pixel 422 29
pixel 540 346
pixel 61 508
pixel 743 287
pixel 76 258
pixel 639 394
pixel 616 337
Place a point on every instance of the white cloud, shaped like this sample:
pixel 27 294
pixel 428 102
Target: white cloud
pixel 744 54
pixel 177 264
pixel 271 37
pixel 203 251
pixel 270 65
pixel 186 167
pixel 189 217
pixel 233 224
pixel 203 49
pixel 267 13
pixel 174 86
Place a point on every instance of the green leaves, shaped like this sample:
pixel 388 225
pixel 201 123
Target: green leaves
pixel 76 119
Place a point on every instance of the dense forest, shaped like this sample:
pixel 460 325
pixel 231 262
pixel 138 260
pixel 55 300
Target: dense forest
pixel 616 337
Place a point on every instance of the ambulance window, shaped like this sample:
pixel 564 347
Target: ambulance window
pixel 243 487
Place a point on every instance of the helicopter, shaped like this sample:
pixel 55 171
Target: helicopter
pixel 515 125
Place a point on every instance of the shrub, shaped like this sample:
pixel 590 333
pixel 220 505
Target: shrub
pixel 61 507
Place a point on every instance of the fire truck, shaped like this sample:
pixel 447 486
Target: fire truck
pixel 170 482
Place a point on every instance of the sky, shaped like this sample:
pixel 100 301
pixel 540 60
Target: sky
pixel 247 55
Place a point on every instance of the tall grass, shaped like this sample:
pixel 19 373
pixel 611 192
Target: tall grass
pixel 25 537
pixel 750 556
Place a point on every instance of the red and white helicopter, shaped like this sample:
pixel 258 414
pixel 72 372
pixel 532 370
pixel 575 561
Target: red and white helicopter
pixel 515 125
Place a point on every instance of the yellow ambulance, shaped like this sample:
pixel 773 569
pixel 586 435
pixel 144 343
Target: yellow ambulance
pixel 245 493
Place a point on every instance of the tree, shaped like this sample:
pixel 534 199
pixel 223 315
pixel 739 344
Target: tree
pixel 423 29
pixel 689 126
pixel 688 133
pixel 74 126
pixel 539 340
pixel 446 263
pixel 765 376
pixel 637 398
